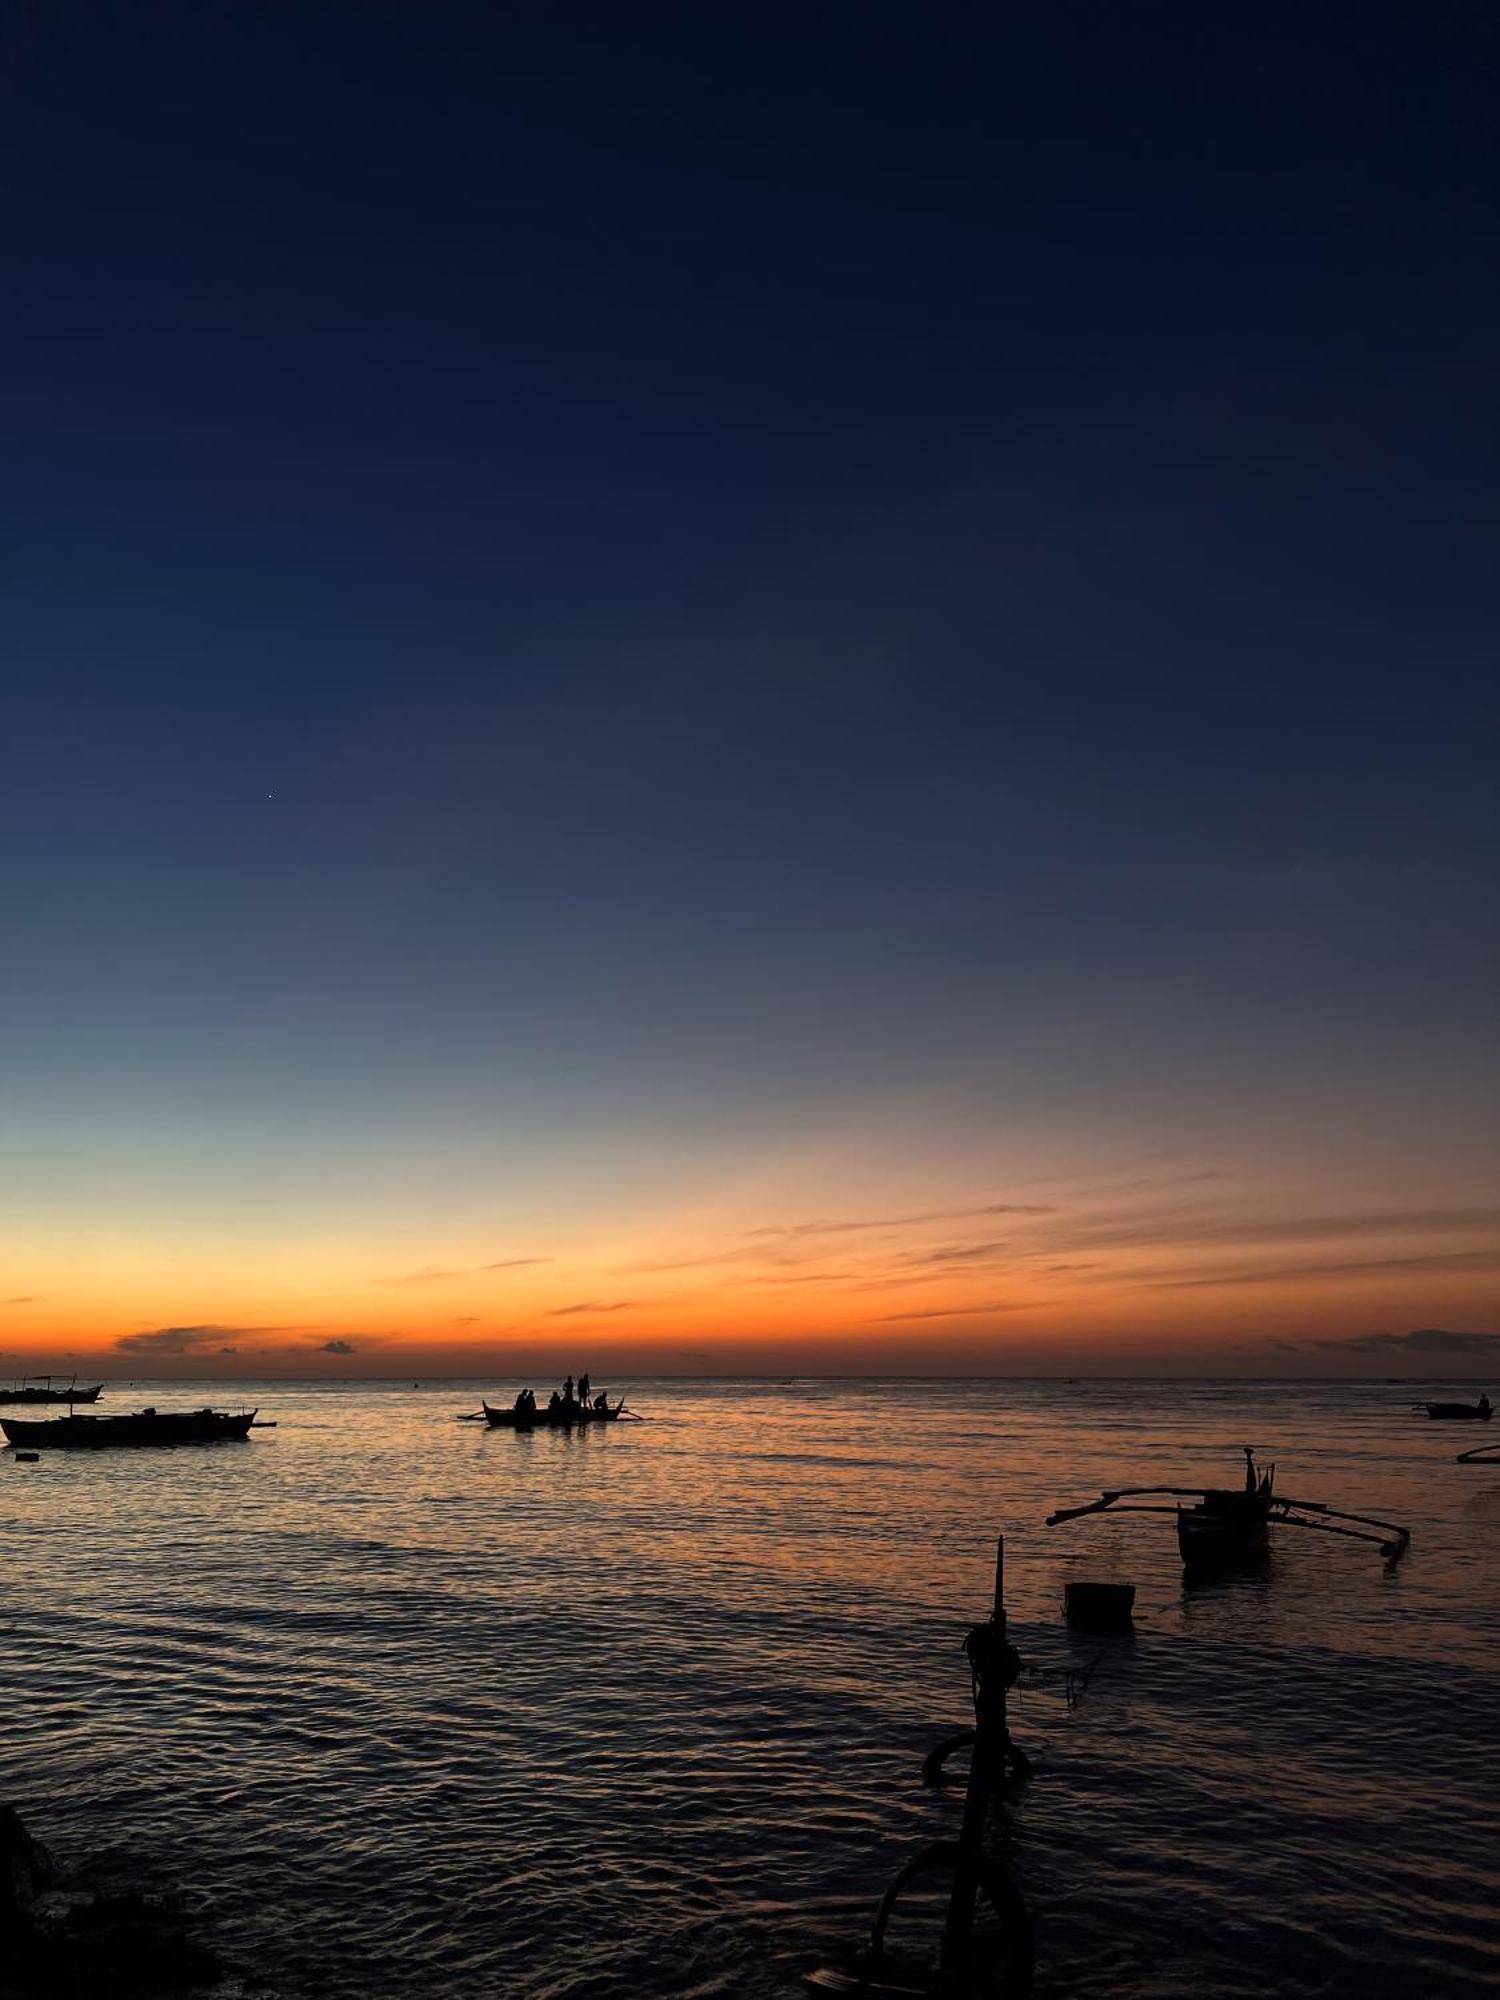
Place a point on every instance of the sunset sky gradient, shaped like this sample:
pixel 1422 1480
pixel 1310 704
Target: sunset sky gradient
pixel 744 694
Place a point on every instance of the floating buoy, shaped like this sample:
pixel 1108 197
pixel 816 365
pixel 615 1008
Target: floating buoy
pixel 1099 1607
pixel 27 1457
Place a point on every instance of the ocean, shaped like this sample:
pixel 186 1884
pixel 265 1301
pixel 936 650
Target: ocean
pixel 407 1707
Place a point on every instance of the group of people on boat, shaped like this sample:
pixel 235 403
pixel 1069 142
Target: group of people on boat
pixel 565 1401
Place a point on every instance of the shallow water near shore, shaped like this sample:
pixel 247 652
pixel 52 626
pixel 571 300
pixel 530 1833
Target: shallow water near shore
pixel 412 1708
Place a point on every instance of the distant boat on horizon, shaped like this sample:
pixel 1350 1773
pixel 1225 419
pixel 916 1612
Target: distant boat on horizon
pixel 41 1390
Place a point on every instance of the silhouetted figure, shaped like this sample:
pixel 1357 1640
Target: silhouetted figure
pixel 583 1388
pixel 554 1403
pixel 520 1403
pixel 601 1401
pixel 567 1394
pixel 1484 1406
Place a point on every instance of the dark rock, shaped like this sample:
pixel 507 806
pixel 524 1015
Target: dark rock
pixel 100 1933
pixel 25 1865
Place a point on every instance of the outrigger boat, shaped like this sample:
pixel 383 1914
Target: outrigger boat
pixel 42 1391
pixel 149 1426
pixel 559 1417
pixel 1459 1413
pixel 1218 1525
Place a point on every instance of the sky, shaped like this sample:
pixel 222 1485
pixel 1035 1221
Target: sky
pixel 749 689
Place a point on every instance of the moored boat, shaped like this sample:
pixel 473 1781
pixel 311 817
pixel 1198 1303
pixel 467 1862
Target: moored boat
pixel 1227 1526
pixel 1224 1525
pixel 42 1391
pixel 1460 1413
pixel 149 1426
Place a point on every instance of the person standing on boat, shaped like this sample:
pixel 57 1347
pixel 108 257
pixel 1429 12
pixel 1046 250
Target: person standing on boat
pixel 583 1388
pixel 567 1394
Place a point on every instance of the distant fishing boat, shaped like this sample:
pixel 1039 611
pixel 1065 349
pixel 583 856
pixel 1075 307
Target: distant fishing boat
pixel 1459 1413
pixel 39 1389
pixel 148 1426
pixel 556 1417
pixel 1223 1525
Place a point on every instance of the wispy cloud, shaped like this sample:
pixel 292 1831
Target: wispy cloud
pixel 25 1299
pixel 190 1339
pixel 960 1312
pixel 787 1231
pixel 435 1274
pixel 761 1255
pixel 1431 1340
pixel 338 1347
pixel 591 1306
pixel 958 1253
pixel 795 1278
pixel 1455 1260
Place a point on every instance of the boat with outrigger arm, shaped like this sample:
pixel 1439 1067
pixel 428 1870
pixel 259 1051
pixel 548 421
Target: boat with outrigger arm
pixel 1218 1526
pixel 143 1427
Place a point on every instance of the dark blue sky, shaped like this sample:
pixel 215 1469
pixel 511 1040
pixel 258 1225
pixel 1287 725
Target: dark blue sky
pixel 697 567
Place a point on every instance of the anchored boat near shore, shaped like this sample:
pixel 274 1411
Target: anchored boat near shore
pixel 149 1426
pixel 1218 1526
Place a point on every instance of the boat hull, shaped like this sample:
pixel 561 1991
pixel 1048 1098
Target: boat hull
pixel 544 1419
pixel 1458 1413
pixel 51 1395
pixel 1226 1528
pixel 146 1427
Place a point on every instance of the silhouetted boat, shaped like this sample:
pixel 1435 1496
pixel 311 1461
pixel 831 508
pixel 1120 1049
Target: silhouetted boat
pixel 42 1391
pixel 1460 1413
pixel 1225 1525
pixel 149 1426
pixel 544 1417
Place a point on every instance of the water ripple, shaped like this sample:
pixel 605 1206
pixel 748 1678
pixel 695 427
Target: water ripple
pixel 412 1710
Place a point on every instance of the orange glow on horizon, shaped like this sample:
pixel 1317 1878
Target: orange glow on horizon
pixel 1172 1272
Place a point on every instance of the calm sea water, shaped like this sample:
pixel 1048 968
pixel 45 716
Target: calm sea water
pixel 411 1708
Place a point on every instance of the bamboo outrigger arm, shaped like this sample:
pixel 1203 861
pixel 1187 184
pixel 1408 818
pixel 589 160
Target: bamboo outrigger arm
pixel 1392 1546
pixel 1393 1540
pixel 1123 1493
pixel 1482 1454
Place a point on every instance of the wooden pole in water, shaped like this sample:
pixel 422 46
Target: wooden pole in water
pixel 985 1769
